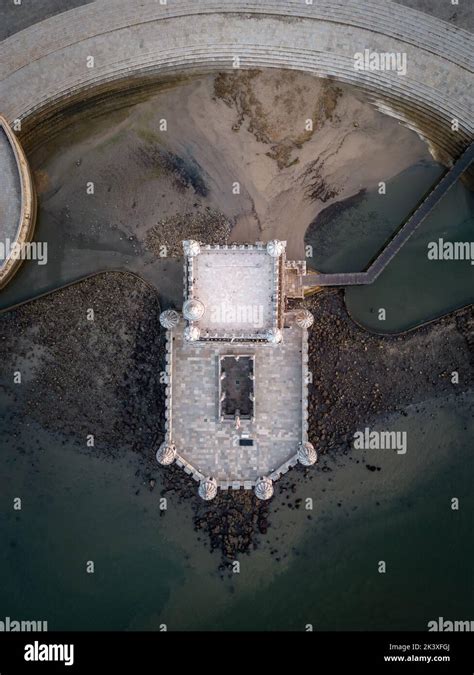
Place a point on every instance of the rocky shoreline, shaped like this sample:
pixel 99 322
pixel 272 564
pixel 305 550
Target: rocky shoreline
pixel 359 377
pixel 103 377
pixel 167 236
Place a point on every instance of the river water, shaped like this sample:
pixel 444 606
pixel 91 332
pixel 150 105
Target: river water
pixel 152 570
pixel 412 289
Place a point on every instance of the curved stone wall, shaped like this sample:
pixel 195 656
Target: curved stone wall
pixel 18 214
pixel 45 66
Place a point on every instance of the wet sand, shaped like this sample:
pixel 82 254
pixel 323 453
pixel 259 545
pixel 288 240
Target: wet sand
pixel 237 156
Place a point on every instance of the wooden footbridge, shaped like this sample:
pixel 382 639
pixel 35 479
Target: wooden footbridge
pixel 401 236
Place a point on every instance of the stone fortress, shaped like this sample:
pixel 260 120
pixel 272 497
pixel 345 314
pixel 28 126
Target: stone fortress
pixel 236 357
pixel 237 369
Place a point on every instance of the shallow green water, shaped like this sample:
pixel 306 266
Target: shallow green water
pixel 412 289
pixel 152 570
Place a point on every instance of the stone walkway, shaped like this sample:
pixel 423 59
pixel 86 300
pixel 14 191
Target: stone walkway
pixel 46 65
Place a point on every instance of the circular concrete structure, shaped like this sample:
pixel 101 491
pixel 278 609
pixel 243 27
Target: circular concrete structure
pixel 264 489
pixel 96 48
pixel 191 248
pixel 193 309
pixel 275 248
pixel 166 454
pixel 274 336
pixel 307 455
pixel 192 333
pixel 169 319
pixel 17 203
pixel 304 319
pixel 208 489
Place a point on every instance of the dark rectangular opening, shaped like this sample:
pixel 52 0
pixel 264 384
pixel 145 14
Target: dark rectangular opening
pixel 236 373
pixel 246 441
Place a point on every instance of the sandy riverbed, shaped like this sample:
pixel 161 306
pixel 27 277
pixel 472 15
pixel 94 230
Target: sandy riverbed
pixel 235 145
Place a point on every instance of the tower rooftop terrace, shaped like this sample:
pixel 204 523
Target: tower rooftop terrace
pixel 233 291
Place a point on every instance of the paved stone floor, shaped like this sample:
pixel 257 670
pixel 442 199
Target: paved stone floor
pixel 212 447
pixel 236 288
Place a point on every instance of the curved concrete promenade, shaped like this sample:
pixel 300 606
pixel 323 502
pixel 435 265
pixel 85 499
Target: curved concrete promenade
pixel 17 202
pixel 45 66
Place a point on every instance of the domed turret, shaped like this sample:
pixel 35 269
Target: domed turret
pixel 274 336
pixel 275 248
pixel 166 454
pixel 264 488
pixel 192 333
pixel 169 319
pixel 307 455
pixel 193 309
pixel 191 248
pixel 208 489
pixel 304 318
